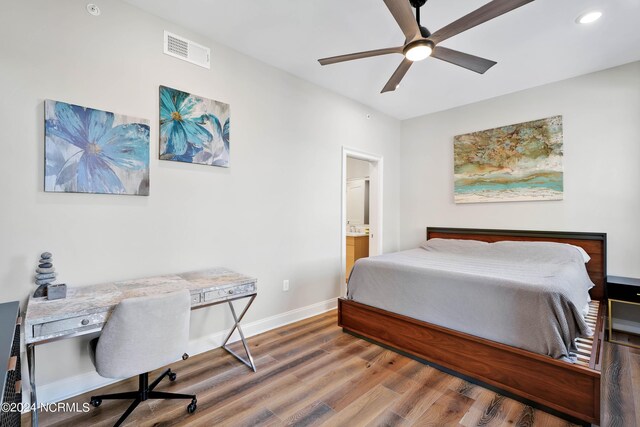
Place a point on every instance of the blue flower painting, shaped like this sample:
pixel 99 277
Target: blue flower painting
pixel 193 129
pixel 95 151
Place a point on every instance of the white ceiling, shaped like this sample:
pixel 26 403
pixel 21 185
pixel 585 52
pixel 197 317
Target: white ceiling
pixel 533 45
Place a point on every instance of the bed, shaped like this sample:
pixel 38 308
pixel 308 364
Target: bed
pixel 564 379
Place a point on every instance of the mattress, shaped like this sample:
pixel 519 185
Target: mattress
pixel 529 295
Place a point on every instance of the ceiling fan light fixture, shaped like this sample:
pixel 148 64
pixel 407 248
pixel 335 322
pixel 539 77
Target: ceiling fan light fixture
pixel 418 50
pixel 589 17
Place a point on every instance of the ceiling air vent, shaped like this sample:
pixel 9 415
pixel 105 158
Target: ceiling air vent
pixel 185 49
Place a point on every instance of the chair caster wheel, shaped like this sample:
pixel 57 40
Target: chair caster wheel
pixel 172 376
pixel 192 407
pixel 95 402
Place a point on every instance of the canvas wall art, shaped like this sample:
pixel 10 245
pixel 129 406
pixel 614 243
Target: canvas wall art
pixel 520 162
pixel 193 129
pixel 95 151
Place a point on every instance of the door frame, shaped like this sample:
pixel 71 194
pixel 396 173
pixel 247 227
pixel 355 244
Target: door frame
pixel 375 206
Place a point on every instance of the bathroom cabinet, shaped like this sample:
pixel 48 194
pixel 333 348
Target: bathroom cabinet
pixel 357 247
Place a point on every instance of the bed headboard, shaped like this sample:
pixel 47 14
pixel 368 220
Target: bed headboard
pixel 595 244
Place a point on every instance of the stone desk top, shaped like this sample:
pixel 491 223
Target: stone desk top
pixel 92 299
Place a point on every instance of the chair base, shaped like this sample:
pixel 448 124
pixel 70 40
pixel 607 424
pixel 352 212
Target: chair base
pixel 145 392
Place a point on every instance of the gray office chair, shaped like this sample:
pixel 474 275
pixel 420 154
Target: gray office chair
pixel 143 334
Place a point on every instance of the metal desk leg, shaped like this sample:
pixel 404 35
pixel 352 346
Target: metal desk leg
pixel 237 320
pixel 31 362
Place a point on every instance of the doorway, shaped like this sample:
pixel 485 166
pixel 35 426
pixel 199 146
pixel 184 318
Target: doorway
pixel 361 218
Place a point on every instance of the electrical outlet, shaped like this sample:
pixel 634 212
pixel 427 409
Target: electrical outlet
pixel 285 285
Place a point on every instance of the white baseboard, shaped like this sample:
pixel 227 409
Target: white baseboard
pixel 82 383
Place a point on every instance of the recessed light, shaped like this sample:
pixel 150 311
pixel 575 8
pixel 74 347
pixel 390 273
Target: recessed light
pixel 589 17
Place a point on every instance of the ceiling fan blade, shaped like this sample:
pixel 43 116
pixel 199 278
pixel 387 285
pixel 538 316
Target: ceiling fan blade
pixel 470 62
pixel 397 76
pixel 483 14
pixel 401 11
pixel 359 55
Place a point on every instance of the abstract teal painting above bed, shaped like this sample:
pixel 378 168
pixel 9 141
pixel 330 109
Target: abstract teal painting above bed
pixel 193 129
pixel 95 151
pixel 521 162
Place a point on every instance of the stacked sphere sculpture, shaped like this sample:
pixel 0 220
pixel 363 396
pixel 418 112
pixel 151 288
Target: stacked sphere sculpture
pixel 45 274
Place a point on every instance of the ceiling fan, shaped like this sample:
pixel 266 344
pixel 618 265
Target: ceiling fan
pixel 420 43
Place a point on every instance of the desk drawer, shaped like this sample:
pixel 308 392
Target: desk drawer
pixel 68 325
pixel 229 292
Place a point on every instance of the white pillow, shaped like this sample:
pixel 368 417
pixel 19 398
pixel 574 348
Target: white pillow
pixel 585 255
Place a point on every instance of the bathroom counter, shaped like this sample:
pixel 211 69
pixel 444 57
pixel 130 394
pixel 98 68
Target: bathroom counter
pixel 355 234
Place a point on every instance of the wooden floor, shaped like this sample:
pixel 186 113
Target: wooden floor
pixel 311 373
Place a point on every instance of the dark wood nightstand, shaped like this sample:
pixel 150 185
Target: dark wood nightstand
pixel 623 294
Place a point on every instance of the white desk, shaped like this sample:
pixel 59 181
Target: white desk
pixel 86 309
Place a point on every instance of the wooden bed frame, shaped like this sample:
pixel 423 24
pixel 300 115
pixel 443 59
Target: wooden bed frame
pixel 569 390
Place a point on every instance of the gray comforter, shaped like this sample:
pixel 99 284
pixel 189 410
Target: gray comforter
pixel 530 295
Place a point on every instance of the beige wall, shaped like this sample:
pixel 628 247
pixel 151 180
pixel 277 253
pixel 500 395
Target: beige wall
pixel 601 121
pixel 275 214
